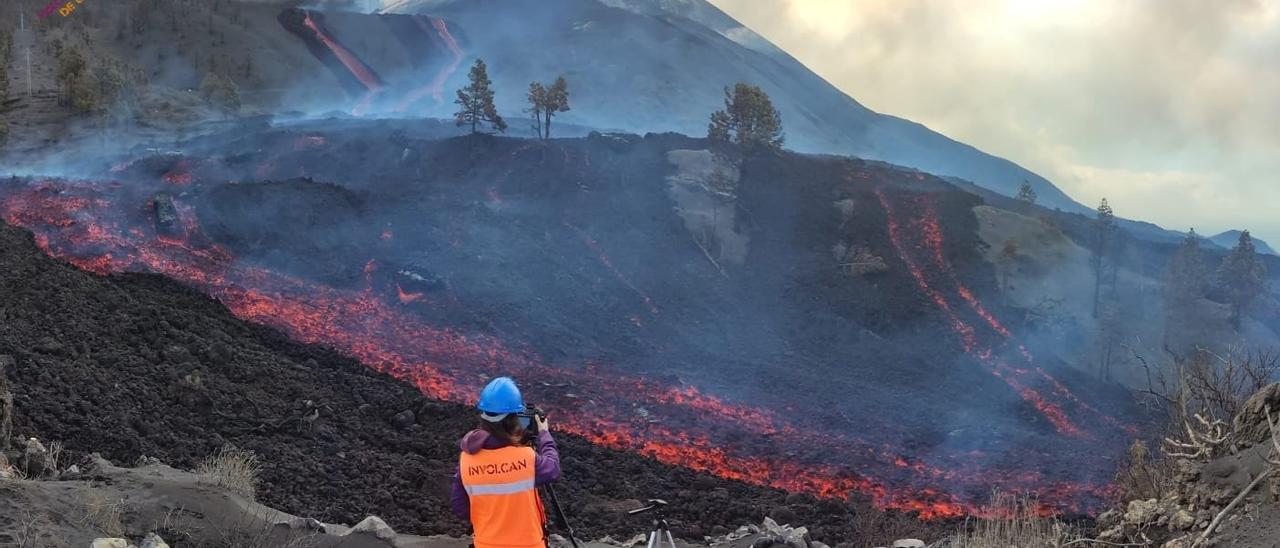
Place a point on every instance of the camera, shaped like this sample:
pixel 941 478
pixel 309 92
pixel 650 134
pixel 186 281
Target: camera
pixel 528 423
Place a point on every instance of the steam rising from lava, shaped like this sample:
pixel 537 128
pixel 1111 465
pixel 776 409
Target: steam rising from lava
pixel 98 228
pixel 112 227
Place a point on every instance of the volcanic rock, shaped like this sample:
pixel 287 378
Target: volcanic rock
pixel 404 419
pixel 303 524
pixel 153 540
pixel 37 461
pixel 109 543
pixel 1250 424
pixel 373 525
pixel 178 354
pixel 1143 512
pixel 50 345
pixel 797 537
pixel 783 515
pixel 1109 519
pixel 908 543
pixel 1182 520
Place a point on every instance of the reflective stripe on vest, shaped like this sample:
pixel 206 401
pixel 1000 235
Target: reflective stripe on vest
pixel 505 509
pixel 500 488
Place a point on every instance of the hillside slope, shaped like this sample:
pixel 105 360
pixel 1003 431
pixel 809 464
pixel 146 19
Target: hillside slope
pixel 651 70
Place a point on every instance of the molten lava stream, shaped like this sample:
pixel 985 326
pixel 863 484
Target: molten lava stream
pixel 929 232
pixel 358 68
pixel 435 87
pixel 604 259
pixel 679 426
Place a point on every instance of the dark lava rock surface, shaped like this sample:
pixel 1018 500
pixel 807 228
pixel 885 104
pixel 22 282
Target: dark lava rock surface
pixel 133 365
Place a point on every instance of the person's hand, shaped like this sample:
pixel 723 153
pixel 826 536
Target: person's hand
pixel 542 423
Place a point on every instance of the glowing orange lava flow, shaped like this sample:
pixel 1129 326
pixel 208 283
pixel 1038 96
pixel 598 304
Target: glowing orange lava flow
pixel 83 224
pixel 604 259
pixel 436 86
pixel 931 234
pixel 361 71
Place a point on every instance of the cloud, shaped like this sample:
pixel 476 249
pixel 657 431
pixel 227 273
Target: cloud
pixel 1169 108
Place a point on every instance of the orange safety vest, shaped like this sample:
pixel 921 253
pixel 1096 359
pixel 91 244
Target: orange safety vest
pixel 505 509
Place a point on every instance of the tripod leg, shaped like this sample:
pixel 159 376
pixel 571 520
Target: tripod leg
pixel 654 539
pixel 670 541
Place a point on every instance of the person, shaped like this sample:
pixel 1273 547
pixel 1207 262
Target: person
pixel 496 484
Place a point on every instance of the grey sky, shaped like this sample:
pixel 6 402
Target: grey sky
pixel 1169 108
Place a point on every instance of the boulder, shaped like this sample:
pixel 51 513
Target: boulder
pixel 784 535
pixel 557 541
pixel 796 538
pixel 153 540
pixel 37 461
pixel 404 419
pixel 1181 520
pixel 1250 424
pixel 908 543
pixel 1109 519
pixel 109 543
pixel 375 527
pixel 303 524
pixel 783 515
pixel 1142 512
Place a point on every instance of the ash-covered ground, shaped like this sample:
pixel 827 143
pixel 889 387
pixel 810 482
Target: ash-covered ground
pixel 706 311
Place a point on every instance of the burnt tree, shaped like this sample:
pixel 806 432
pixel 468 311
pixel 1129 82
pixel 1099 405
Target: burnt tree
pixel 1104 240
pixel 1241 277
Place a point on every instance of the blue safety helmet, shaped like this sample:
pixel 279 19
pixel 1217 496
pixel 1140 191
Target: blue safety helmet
pixel 499 398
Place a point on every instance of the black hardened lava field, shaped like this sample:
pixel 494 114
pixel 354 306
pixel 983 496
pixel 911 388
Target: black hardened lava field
pixel 132 365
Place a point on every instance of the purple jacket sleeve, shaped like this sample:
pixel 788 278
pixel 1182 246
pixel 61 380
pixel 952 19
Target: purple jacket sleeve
pixel 459 500
pixel 546 465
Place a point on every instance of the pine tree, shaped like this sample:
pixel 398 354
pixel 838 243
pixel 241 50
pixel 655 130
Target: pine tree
pixel 748 119
pixel 557 101
pixel 475 102
pixel 1026 195
pixel 1104 227
pixel 537 99
pixel 545 102
pixel 1241 277
pixel 1186 284
pixel 1188 276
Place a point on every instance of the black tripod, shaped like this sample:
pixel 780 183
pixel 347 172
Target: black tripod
pixel 561 519
pixel 661 531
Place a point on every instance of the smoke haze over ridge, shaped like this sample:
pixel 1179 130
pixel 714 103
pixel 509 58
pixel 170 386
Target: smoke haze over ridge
pixel 1165 108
